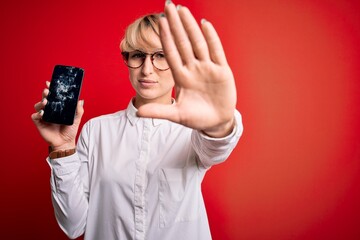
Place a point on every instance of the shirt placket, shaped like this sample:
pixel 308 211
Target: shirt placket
pixel 140 182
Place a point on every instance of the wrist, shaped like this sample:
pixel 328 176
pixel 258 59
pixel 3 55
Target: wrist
pixel 222 130
pixel 63 150
pixel 61 147
pixel 61 153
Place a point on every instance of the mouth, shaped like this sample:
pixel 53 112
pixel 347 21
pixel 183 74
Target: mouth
pixel 147 82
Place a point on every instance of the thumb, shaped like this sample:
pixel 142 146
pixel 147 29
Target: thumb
pixel 157 110
pixel 79 110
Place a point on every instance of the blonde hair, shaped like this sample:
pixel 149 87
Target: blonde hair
pixel 136 34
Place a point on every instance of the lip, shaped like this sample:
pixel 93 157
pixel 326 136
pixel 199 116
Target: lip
pixel 147 82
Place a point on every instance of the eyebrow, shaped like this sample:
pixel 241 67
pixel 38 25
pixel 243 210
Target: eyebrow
pixel 156 50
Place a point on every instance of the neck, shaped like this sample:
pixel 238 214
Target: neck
pixel 139 101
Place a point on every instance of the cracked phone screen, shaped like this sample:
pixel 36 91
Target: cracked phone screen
pixel 64 93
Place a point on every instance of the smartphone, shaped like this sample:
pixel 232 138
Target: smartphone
pixel 64 92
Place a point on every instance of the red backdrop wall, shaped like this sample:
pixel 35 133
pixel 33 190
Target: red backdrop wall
pixel 295 172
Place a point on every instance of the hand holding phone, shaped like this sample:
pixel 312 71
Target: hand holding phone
pixel 64 92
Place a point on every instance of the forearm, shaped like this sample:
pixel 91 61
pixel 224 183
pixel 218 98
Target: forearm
pixel 212 150
pixel 69 198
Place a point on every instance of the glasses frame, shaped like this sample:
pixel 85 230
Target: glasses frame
pixel 126 54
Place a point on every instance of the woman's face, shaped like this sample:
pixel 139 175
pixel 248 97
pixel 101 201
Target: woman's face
pixel 151 85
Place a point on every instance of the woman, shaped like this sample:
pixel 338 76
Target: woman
pixel 137 173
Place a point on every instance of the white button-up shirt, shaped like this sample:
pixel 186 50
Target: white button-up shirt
pixel 136 178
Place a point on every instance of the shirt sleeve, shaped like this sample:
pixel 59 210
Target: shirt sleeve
pixel 69 189
pixel 211 151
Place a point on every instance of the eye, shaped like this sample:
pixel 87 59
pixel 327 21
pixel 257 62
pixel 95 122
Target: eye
pixel 159 55
pixel 137 55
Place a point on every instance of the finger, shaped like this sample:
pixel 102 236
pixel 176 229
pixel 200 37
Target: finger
pixel 156 110
pixel 40 105
pixel 79 111
pixel 216 50
pixel 194 32
pixel 47 84
pixel 172 55
pixel 181 39
pixel 45 93
pixel 36 117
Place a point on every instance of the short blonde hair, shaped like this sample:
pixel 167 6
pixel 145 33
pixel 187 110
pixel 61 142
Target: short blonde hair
pixel 136 34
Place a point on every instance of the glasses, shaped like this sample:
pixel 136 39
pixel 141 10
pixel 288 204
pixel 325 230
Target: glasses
pixel 136 59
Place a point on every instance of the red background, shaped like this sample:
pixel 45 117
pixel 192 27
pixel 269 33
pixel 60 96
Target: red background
pixel 295 172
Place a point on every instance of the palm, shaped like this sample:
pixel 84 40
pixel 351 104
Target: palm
pixel 204 98
pixel 57 135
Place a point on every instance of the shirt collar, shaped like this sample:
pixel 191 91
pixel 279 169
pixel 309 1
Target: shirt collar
pixel 133 118
pixel 131 113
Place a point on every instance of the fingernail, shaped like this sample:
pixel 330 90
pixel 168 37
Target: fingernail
pixel 167 2
pixel 41 112
pixel 42 100
pixel 82 103
pixel 203 21
pixel 162 15
pixel 178 7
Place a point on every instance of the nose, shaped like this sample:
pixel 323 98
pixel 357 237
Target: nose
pixel 147 67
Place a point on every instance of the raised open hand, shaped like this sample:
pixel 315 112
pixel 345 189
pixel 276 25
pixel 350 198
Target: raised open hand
pixel 204 83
